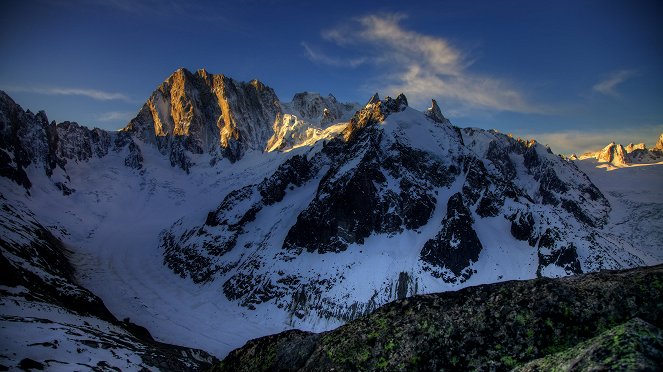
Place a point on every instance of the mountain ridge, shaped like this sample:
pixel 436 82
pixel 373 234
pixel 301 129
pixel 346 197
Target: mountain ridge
pixel 338 219
pixel 618 155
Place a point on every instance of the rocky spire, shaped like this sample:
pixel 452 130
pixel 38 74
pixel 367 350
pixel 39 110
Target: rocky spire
pixel 613 153
pixel 374 99
pixel 401 100
pixel 659 144
pixel 434 113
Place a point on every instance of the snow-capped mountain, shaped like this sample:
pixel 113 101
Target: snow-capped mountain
pixel 221 214
pixel 308 118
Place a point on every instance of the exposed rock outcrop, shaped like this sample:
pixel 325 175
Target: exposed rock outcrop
pixel 619 156
pixel 435 114
pixel 207 113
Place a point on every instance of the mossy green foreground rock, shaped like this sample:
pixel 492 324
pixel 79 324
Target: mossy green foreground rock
pixel 600 321
pixel 633 346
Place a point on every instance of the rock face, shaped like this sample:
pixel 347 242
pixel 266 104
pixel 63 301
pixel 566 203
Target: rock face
pixel 27 139
pixel 308 118
pixel 42 306
pixel 318 110
pixel 613 153
pixel 498 327
pixel 456 246
pixel 435 114
pixel 207 113
pixel 631 147
pixel 659 143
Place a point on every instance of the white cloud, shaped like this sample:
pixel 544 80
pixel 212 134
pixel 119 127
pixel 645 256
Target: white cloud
pixel 579 142
pixel 424 67
pixel 609 85
pixel 115 116
pixel 317 56
pixel 98 95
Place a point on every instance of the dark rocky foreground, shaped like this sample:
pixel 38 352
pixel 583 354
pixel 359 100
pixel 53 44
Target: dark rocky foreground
pixel 609 320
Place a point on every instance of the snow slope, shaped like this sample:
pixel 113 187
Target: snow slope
pixel 635 193
pixel 114 244
pixel 47 320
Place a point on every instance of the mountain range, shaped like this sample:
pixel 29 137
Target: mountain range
pixel 220 214
pixel 617 155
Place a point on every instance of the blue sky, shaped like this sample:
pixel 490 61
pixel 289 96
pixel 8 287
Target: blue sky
pixel 574 74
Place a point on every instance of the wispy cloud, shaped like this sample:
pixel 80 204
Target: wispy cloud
pixel 98 95
pixel 115 116
pixel 319 57
pixel 579 142
pixel 609 85
pixel 424 66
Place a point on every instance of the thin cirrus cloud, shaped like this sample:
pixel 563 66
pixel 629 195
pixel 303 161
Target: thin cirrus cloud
pixel 97 95
pixel 421 66
pixel 319 57
pixel 609 85
pixel 115 116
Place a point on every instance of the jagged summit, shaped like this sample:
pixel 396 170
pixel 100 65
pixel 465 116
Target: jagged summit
pixel 374 99
pixel 659 143
pixel 632 147
pixel 206 113
pixel 375 111
pixel 617 155
pixel 613 153
pixel 435 114
pixel 318 110
pixel 203 113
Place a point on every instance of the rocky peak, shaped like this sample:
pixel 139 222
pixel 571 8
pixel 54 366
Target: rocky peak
pixel 613 153
pixel 374 99
pixel 618 155
pixel 207 113
pixel 317 110
pixel 310 106
pixel 434 113
pixel 659 144
pixel 375 111
pixel 202 73
pixel 631 147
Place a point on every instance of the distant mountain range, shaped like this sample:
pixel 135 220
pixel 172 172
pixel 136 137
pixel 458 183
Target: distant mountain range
pixel 617 154
pixel 220 214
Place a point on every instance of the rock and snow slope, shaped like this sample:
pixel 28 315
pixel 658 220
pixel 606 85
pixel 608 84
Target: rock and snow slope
pixel 186 224
pixel 48 320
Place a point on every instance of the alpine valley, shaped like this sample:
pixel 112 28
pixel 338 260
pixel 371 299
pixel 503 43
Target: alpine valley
pixel 220 214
